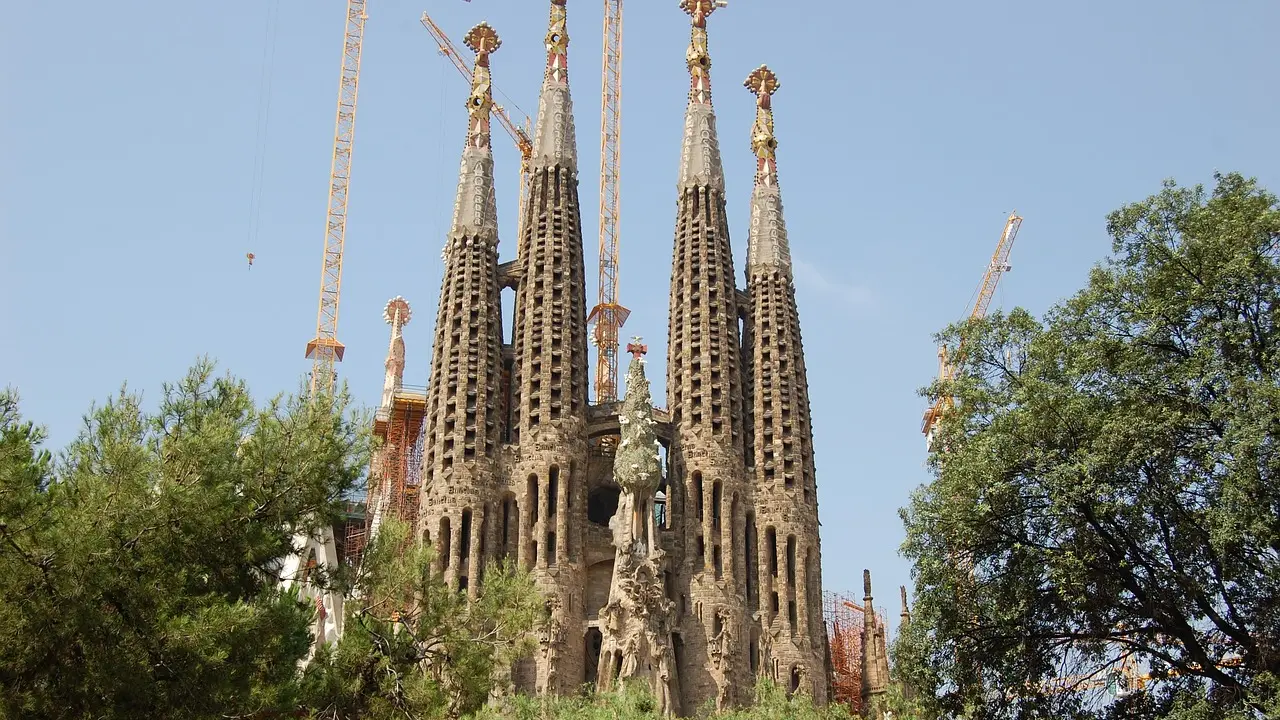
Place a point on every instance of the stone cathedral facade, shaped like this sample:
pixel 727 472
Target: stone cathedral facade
pixel 696 577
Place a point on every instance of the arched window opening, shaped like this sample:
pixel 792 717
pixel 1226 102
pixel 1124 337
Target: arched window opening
pixel 791 560
pixel 464 540
pixel 749 551
pixel 446 540
pixel 660 508
pixel 553 489
pixel 697 492
pixel 510 525
pixel 568 486
pixel 602 503
pixel 531 498
pixel 717 491
pixel 771 544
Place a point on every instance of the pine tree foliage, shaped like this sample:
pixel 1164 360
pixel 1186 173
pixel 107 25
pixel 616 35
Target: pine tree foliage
pixel 634 702
pixel 139 572
pixel 1108 489
pixel 415 648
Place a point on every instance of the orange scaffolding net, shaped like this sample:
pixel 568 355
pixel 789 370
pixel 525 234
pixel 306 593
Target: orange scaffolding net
pixel 846 631
pixel 395 472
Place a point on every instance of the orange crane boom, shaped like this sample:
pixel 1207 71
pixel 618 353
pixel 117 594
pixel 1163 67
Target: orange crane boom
pixel 608 315
pixel 518 134
pixel 998 267
pixel 325 349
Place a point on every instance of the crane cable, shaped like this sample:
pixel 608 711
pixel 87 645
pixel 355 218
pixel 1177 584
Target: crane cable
pixel 263 121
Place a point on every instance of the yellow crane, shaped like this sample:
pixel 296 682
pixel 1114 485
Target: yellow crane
pixel 325 349
pixel 608 315
pixel 520 135
pixel 946 368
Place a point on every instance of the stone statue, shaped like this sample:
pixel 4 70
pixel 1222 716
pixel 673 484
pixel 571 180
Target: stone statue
pixel 638 617
pixel 665 707
pixel 630 659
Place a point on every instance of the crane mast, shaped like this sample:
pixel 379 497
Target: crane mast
pixel 520 135
pixel 995 270
pixel 325 349
pixel 608 315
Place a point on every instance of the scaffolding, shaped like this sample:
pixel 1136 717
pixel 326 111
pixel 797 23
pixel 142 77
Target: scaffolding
pixel 395 474
pixel 845 627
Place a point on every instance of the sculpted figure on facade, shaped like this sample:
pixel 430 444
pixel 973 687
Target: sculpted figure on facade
pixel 637 618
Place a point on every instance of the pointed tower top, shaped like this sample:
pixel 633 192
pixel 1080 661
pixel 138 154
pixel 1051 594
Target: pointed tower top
pixel 700 153
pixel 483 41
pixel 475 209
pixel 906 611
pixel 554 138
pixel 767 246
pixel 637 348
pixel 397 314
pixel 866 584
pixel 698 57
pixel 637 465
pixel 558 43
pixel 763 83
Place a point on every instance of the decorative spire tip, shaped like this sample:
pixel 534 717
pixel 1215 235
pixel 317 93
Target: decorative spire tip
pixel 557 43
pixel 762 82
pixel 698 57
pixel 482 39
pixel 637 348
pixel 397 311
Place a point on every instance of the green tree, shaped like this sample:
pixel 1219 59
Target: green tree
pixel 139 572
pixel 413 647
pixel 634 702
pixel 1107 488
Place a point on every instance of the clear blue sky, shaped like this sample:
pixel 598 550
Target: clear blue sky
pixel 908 131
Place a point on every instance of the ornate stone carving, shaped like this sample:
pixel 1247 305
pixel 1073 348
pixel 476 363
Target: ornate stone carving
pixel 638 617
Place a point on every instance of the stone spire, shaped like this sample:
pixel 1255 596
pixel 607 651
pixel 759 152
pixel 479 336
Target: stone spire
pixel 700 152
pixel 463 423
pixel 397 314
pixel 474 211
pixel 554 140
pixel 781 445
pixel 905 616
pixel 550 343
pixel 767 237
pixel 636 623
pixel 875 669
pixel 705 393
pixel 549 375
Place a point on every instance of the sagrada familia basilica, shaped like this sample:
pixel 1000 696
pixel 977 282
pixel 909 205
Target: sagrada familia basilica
pixel 676 547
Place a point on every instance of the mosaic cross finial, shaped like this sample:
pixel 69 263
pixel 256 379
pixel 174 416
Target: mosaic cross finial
pixel 636 347
pixel 698 57
pixel 483 41
pixel 763 83
pixel 557 43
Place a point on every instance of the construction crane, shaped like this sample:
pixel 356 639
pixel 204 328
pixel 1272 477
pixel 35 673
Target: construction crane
pixel 946 367
pixel 518 134
pixel 325 349
pixel 608 315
